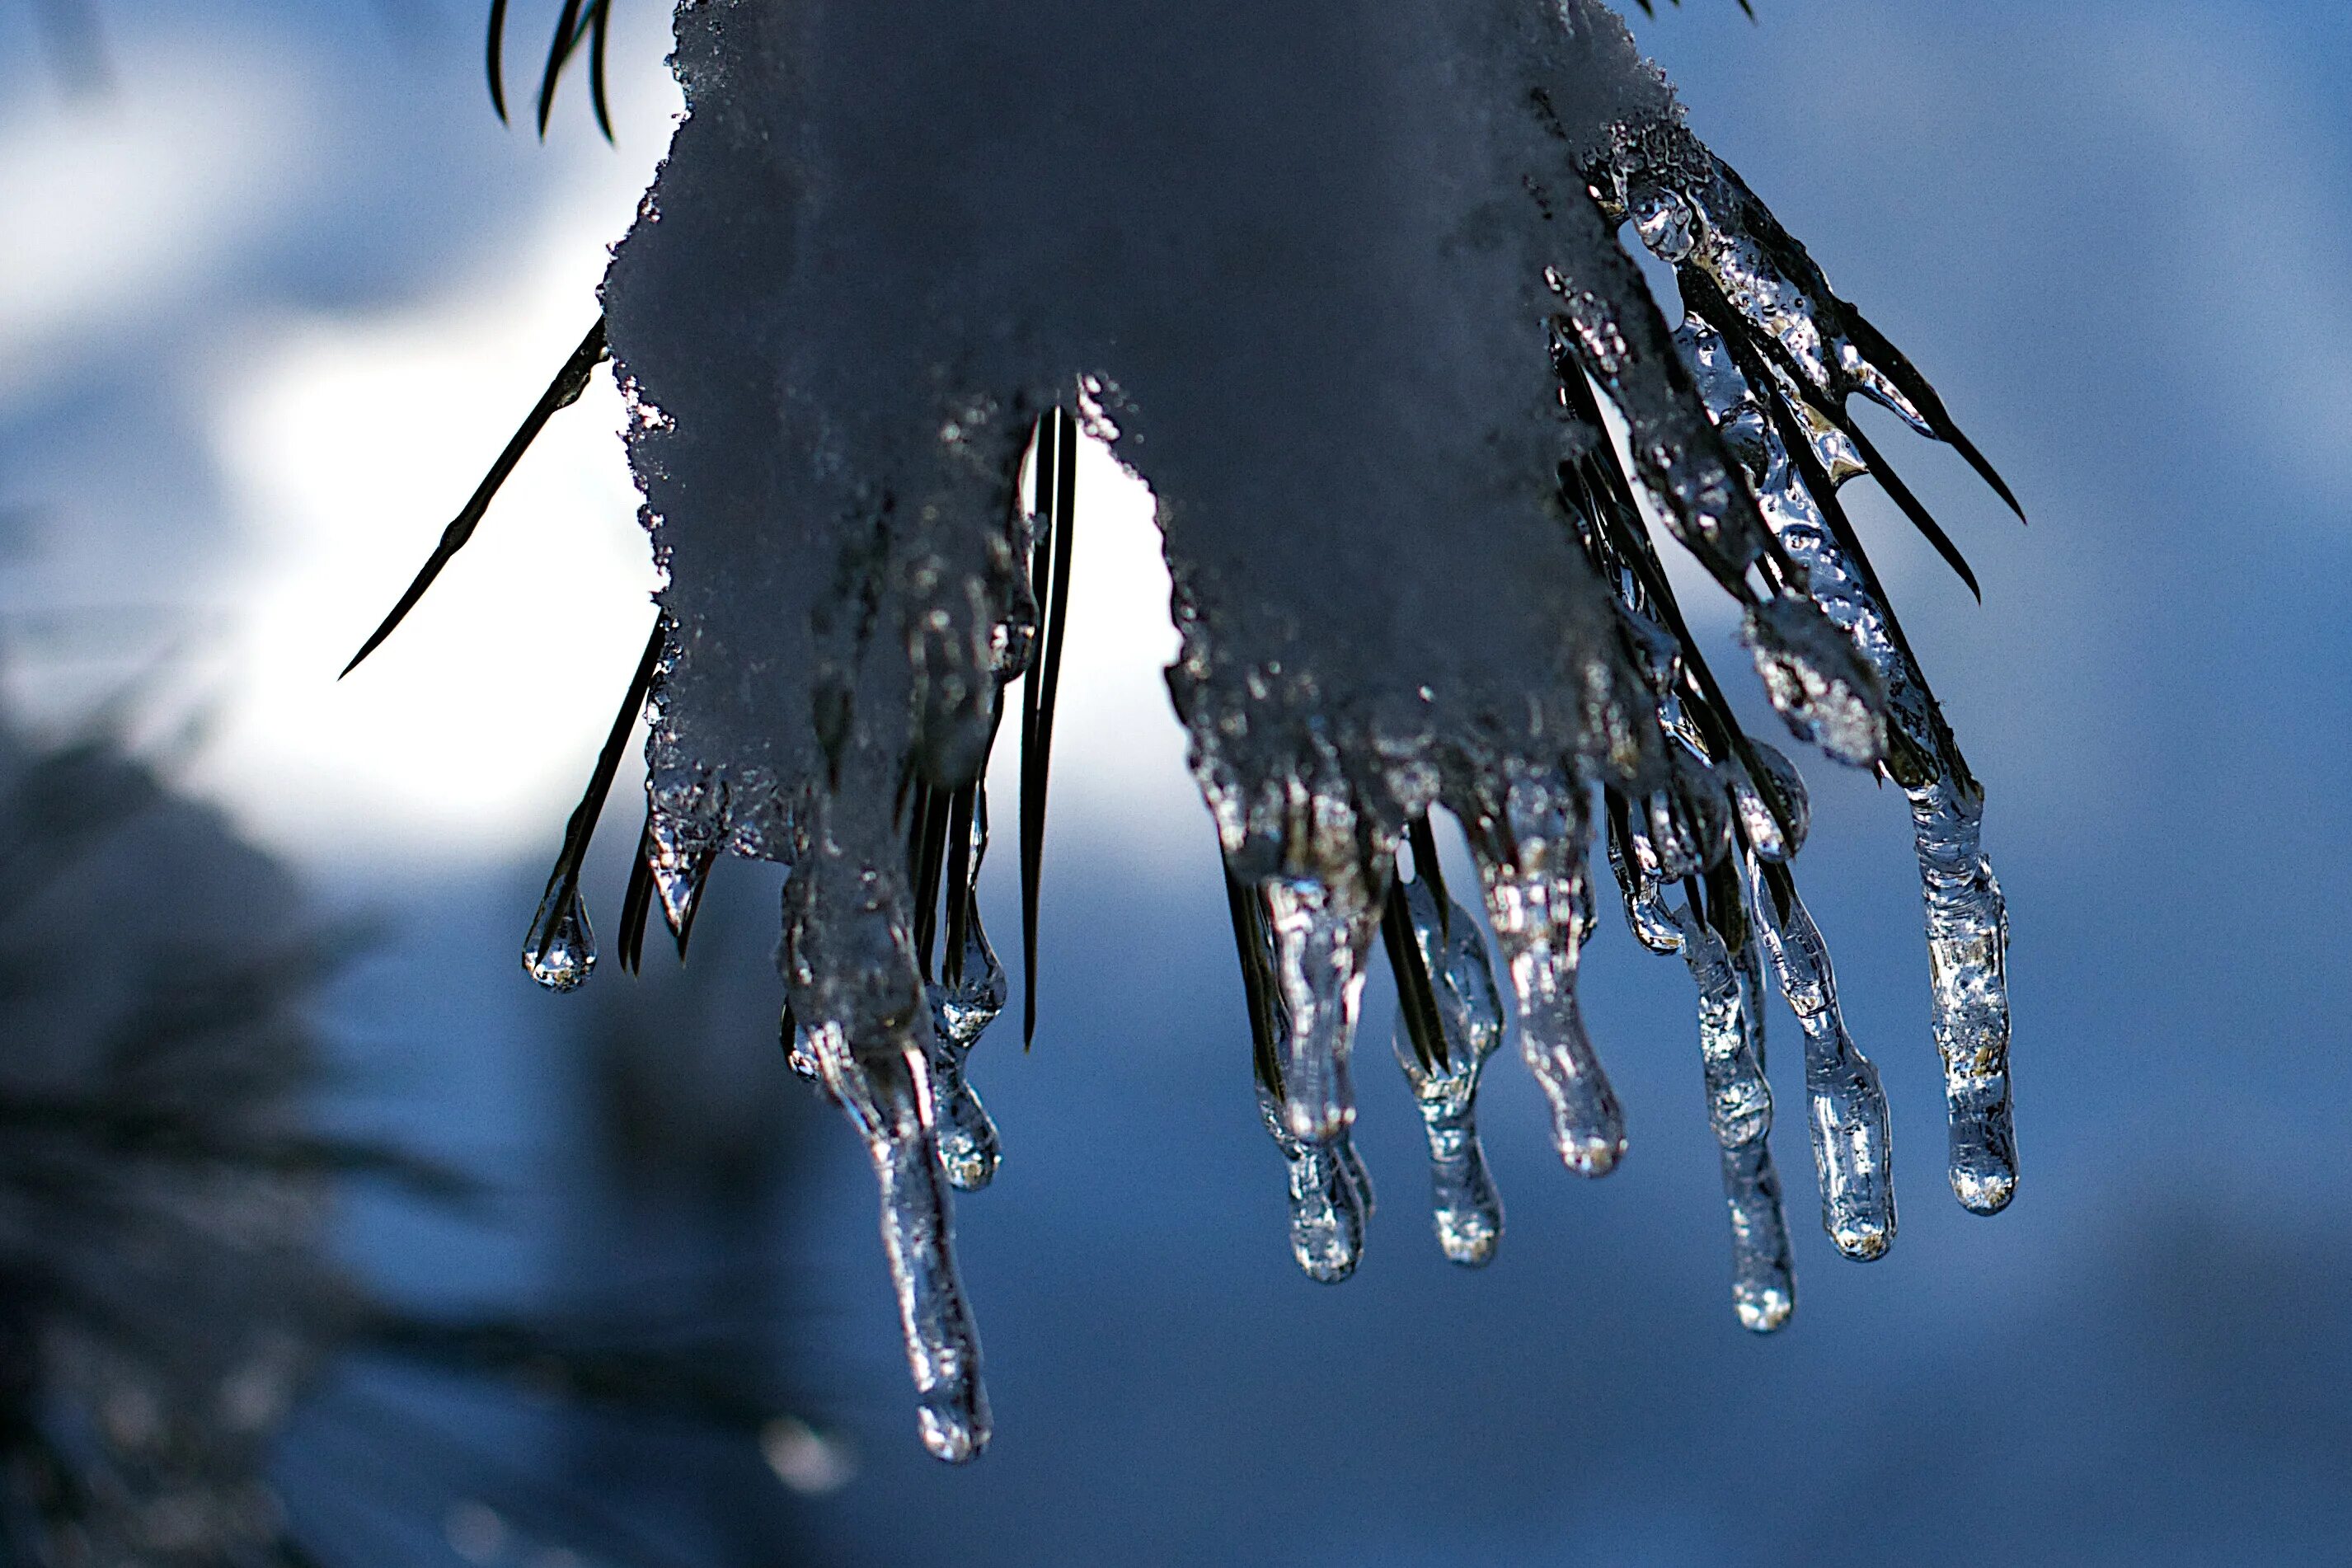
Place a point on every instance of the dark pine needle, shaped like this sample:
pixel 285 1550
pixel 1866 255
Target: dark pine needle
pixel 961 809
pixel 583 826
pixel 563 392
pixel 1416 995
pixel 559 54
pixel 1057 479
pixel 600 18
pixel 637 904
pixel 1257 978
pixel 929 836
pixel 496 58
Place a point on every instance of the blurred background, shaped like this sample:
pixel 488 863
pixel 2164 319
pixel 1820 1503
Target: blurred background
pixel 276 286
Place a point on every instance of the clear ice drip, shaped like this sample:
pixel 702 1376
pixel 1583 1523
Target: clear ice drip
pixel 1465 1208
pixel 1739 1108
pixel 1529 846
pixel 961 1009
pixel 681 860
pixel 1330 1196
pixel 1966 922
pixel 560 950
pixel 1321 928
pixel 886 1096
pixel 1848 1109
pixel 1968 942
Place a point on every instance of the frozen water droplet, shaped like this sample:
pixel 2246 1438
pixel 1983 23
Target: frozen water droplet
pixel 1774 834
pixel 1967 938
pixel 1687 823
pixel 1530 853
pixel 1848 1109
pixel 1329 1196
pixel 1817 682
pixel 1636 868
pixel 969 1150
pixel 1465 1208
pixel 1763 1283
pixel 885 1094
pixel 560 949
pixel 1663 220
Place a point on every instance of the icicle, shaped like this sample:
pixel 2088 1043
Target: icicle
pixel 1967 926
pixel 1636 869
pixel 560 950
pixel 886 1094
pixel 962 1007
pixel 1330 1196
pixel 1529 845
pixel 1695 213
pixel 1464 1205
pixel 1968 939
pixel 1320 929
pixel 1739 1108
pixel 681 860
pixel 1849 1110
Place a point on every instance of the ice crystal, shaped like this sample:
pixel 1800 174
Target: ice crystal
pixel 1353 300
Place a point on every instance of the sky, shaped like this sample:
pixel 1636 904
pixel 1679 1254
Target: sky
pixel 273 300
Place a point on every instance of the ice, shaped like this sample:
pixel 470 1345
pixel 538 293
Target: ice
pixel 1848 1110
pixel 859 997
pixel 1816 681
pixel 1321 930
pixel 886 1096
pixel 1966 922
pixel 1528 836
pixel 1739 1108
pixel 681 861
pixel 967 998
pixel 1331 1198
pixel 1465 1208
pixel 1968 942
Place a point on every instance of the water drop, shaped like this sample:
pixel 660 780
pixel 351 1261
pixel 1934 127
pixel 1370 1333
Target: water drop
pixel 1329 1197
pixel 560 949
pixel 1816 681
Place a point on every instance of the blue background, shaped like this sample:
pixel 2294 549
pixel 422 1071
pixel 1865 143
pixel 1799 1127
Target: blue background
pixel 2118 238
